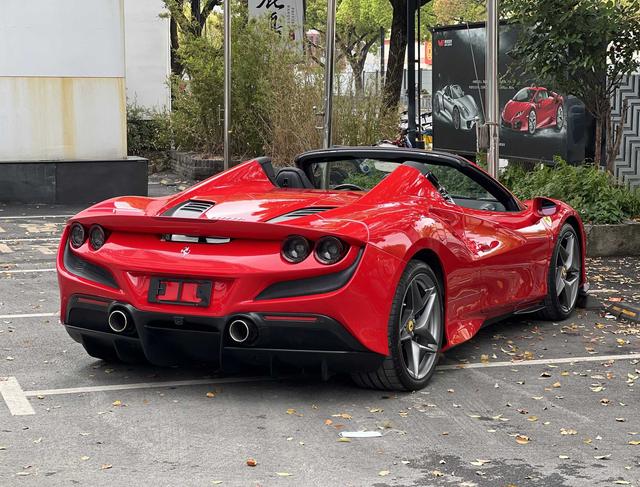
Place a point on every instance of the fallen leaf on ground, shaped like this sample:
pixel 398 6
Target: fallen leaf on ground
pixel 105 466
pixel 383 473
pixel 252 462
pixel 522 439
pixel 568 431
pixel 480 463
pixel 341 415
pixel 210 394
pixel 283 474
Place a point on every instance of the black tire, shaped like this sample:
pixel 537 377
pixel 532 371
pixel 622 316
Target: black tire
pixel 456 118
pixel 554 308
pixel 436 105
pixel 393 374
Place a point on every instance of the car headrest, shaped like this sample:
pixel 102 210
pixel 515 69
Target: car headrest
pixel 293 177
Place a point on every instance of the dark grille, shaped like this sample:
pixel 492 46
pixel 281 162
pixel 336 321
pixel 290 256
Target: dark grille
pixel 312 210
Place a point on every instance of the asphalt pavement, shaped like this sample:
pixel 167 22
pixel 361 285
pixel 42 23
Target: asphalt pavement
pixel 525 403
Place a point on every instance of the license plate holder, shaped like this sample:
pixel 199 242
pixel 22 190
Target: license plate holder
pixel 183 292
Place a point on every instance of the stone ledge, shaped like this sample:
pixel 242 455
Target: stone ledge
pixel 613 240
pixel 191 165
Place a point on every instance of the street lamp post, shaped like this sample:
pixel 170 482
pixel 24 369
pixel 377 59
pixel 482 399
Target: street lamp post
pixel 328 71
pixel 491 92
pixel 227 81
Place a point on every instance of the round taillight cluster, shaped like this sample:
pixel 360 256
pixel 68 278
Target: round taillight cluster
pixel 78 236
pixel 327 250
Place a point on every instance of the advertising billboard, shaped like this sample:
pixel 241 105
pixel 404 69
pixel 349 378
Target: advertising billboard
pixel 285 16
pixel 536 122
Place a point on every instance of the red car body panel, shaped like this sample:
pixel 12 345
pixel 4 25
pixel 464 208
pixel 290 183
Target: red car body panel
pixel 516 113
pixel 492 263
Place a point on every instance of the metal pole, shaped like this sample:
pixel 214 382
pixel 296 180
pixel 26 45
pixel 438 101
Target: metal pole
pixel 420 143
pixel 227 81
pixel 382 32
pixel 328 71
pixel 491 94
pixel 411 71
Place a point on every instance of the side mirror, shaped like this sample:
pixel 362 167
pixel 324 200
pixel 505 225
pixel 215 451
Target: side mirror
pixel 544 207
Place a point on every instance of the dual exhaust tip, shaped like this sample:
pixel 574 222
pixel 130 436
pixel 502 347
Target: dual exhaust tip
pixel 241 330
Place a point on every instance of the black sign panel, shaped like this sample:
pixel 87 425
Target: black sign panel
pixel 537 123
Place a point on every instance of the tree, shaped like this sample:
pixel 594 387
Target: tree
pixel 583 48
pixel 187 20
pixel 397 49
pixel 358 24
pixel 455 11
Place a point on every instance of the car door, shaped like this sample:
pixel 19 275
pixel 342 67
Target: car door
pixel 511 249
pixel 509 244
pixel 446 100
pixel 545 107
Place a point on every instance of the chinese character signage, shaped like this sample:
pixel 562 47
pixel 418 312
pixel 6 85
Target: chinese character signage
pixel 285 16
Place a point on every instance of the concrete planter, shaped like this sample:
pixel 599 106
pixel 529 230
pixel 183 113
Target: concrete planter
pixel 191 165
pixel 611 240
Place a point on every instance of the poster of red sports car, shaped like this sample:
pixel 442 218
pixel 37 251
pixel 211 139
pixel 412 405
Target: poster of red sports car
pixel 536 122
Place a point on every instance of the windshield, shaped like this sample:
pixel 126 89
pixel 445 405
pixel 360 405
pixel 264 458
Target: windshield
pixel 456 92
pixel 364 173
pixel 525 94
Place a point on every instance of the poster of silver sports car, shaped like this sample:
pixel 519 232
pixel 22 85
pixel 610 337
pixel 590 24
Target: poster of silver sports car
pixel 536 122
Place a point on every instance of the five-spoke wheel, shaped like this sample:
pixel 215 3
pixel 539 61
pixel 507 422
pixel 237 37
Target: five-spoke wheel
pixel 415 333
pixel 564 276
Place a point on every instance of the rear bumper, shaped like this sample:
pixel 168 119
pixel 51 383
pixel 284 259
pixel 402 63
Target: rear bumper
pixel 168 339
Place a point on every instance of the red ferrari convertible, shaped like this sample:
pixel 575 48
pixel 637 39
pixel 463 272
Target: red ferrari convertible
pixel 532 109
pixel 363 260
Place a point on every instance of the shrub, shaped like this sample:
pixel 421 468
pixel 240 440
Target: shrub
pixel 148 131
pixel 594 193
pixel 274 98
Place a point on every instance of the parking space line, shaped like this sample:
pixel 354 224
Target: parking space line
pixel 145 385
pixel 31 315
pixel 26 217
pixel 548 361
pixel 27 271
pixel 34 239
pixel 14 397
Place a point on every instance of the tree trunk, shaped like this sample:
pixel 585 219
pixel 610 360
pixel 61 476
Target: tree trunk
pixel 176 66
pixel 597 153
pixel 397 49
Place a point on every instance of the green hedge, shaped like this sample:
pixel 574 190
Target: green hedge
pixel 593 192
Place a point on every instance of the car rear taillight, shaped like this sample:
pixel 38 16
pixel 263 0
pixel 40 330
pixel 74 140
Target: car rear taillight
pixel 97 237
pixel 295 249
pixel 77 235
pixel 330 250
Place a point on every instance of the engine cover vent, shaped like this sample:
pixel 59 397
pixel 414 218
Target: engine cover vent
pixel 312 210
pixel 190 209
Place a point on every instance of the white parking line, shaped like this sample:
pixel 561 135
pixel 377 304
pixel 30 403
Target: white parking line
pixel 27 271
pixel 35 239
pixel 543 361
pixel 32 315
pixel 145 385
pixel 27 217
pixel 14 397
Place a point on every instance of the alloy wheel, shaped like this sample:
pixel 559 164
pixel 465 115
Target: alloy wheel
pixel 532 122
pixel 560 118
pixel 420 326
pixel 568 272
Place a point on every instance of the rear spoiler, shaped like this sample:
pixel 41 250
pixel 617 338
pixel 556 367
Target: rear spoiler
pixel 351 231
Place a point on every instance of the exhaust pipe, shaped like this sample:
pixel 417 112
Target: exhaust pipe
pixel 241 330
pixel 118 320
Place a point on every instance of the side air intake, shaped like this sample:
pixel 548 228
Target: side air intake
pixel 312 210
pixel 190 209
